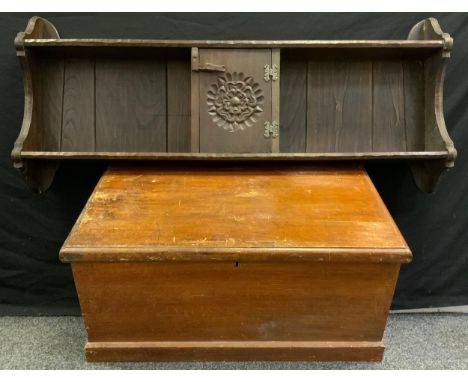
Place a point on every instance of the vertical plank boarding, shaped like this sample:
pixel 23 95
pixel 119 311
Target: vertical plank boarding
pixel 293 106
pixel 131 105
pixel 339 106
pixel 48 89
pixel 78 128
pixel 178 106
pixel 413 78
pixel 389 132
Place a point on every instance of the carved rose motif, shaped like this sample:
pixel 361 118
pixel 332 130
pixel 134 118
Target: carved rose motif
pixel 234 101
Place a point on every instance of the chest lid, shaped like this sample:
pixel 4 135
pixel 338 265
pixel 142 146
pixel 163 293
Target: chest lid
pixel 216 213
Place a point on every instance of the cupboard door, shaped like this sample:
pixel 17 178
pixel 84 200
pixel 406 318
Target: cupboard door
pixel 234 100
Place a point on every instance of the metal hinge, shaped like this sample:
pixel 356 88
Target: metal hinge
pixel 204 67
pixel 271 72
pixel 271 129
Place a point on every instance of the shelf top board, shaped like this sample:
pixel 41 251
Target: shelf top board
pixel 390 44
pixel 51 155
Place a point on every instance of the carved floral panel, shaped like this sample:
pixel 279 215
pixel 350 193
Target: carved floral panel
pixel 235 101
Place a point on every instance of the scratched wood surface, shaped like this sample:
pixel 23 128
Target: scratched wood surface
pixel 261 301
pixel 191 208
pixel 235 263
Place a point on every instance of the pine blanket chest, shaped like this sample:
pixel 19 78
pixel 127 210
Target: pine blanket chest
pixel 229 263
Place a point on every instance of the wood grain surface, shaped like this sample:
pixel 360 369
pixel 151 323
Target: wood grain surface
pixel 240 64
pixel 293 104
pixel 235 351
pixel 359 99
pixel 48 88
pixel 131 105
pixel 290 208
pixel 424 45
pixel 253 262
pixel 339 106
pixel 79 124
pixel 388 106
pixel 229 301
pixel 178 106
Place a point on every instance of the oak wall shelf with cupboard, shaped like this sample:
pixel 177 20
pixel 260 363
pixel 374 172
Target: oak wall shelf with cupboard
pixel 106 99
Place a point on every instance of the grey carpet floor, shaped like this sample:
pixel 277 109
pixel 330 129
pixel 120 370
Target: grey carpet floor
pixel 413 341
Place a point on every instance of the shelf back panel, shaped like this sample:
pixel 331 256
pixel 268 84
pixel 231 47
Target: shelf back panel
pixel 352 105
pixel 114 103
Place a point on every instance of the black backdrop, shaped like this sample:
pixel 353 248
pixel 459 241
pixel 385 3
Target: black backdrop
pixel 33 227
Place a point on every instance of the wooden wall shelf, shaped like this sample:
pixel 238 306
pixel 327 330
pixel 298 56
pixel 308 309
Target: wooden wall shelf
pixel 121 99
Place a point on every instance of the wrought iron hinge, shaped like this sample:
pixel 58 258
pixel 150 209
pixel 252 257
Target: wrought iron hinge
pixel 204 67
pixel 271 72
pixel 209 67
pixel 271 129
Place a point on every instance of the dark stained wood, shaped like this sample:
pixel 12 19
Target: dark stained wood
pixel 78 127
pixel 339 110
pixel 130 105
pixel 48 87
pixel 383 44
pixel 195 102
pixel 355 100
pixel 235 350
pixel 318 287
pixel 293 103
pixel 248 134
pixel 178 106
pixel 413 80
pixel 38 173
pixel 415 155
pixel 433 108
pixel 434 73
pixel 275 99
pixel 339 53
pixel 388 107
pixel 426 175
